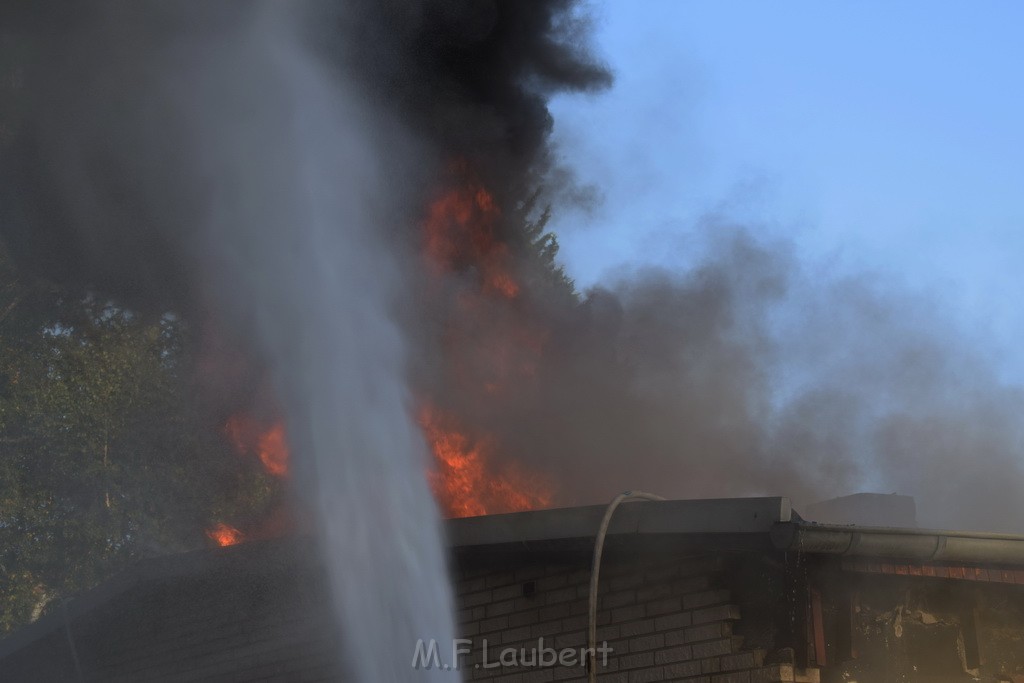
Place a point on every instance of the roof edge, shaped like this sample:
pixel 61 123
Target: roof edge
pixel 710 516
pixel 923 545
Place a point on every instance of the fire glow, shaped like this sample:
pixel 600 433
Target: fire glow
pixel 470 474
pixel 459 232
pixel 465 480
pixel 249 436
pixel 224 535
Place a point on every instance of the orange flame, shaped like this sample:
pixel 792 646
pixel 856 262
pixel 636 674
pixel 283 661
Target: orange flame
pixel 224 535
pixel 268 443
pixel 466 482
pixel 490 355
pixel 459 232
pixel 459 235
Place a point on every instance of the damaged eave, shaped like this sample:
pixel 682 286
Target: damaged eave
pixel 922 545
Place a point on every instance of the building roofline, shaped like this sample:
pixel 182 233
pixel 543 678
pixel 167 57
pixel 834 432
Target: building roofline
pixel 730 516
pixel 712 516
pixel 923 545
pixel 769 518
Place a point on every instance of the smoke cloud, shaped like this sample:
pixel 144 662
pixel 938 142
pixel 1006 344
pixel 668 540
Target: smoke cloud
pixel 267 166
pixel 752 374
pixel 747 374
pixel 275 170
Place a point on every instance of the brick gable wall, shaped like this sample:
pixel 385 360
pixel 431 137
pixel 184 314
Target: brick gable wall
pixel 666 620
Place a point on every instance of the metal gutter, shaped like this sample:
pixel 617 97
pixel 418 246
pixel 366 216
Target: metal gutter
pixel 922 545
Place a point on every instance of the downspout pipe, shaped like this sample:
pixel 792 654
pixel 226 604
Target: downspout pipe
pixel 595 574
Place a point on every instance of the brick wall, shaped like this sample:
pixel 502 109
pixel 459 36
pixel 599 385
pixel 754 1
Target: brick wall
pixel 668 619
pixel 247 616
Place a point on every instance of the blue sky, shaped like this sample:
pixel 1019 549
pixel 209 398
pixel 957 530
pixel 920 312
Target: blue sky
pixel 880 137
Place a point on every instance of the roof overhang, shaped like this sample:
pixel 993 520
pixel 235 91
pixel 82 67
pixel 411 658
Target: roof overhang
pixel 767 523
pixel 669 517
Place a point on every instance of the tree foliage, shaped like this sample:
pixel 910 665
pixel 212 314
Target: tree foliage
pixel 540 252
pixel 105 456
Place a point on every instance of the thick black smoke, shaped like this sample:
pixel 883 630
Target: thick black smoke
pixel 99 187
pixel 473 78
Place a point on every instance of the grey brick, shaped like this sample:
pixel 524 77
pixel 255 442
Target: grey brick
pixel 575 639
pixel 496 609
pixel 474 599
pixel 676 637
pixel 636 628
pixel 682 669
pixel 743 660
pixel 523 618
pixel 494 624
pixel 619 677
pixel 647 675
pixel 720 613
pixel 547 628
pixel 539 676
pixel 663 606
pixel 734 677
pixel 567 673
pixel 673 654
pixel 712 648
pixel 672 621
pixel 524 603
pixel 512 635
pixel 650 642
pixel 635 661
pixel 560 595
pixel 722 629
pixel 619 599
pixel 555 611
pixel 631 613
pixel 575 623
pixel 508 592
